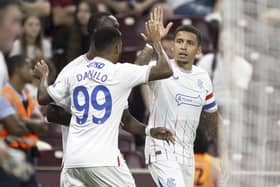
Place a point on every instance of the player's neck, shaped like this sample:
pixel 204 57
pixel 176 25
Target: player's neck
pixel 110 58
pixel 185 66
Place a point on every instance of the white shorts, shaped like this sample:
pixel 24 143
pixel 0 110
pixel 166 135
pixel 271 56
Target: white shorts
pixel 110 176
pixel 169 173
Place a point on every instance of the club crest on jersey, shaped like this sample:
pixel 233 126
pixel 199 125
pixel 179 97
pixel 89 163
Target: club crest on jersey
pixel 175 77
pixel 188 100
pixel 98 65
pixel 200 84
pixel 171 182
pixel 55 83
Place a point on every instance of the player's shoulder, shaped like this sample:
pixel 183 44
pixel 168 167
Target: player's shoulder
pixel 74 63
pixel 199 72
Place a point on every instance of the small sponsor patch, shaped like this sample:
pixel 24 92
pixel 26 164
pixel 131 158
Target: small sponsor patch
pixel 158 152
pixel 188 100
pixel 171 182
pixel 98 65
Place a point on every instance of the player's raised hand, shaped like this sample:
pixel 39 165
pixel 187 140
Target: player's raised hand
pixel 163 133
pixel 41 68
pixel 157 16
pixel 152 32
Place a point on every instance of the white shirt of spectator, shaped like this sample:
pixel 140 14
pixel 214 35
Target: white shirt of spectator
pixel 99 90
pixel 3 70
pixel 16 50
pixel 176 103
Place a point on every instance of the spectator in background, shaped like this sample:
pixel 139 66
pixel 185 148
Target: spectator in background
pixel 11 162
pixel 130 7
pixel 20 73
pixel 207 167
pixel 40 8
pixel 33 46
pixel 62 12
pixel 31 43
pixel 193 8
pixel 70 42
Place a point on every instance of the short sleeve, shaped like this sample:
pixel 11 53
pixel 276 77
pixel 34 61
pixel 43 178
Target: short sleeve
pixel 59 89
pixel 133 75
pixel 210 104
pixel 5 108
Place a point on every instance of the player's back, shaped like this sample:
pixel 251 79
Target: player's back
pixel 207 170
pixel 99 90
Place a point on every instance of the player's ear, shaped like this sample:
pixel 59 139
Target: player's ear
pixel 199 51
pixel 118 48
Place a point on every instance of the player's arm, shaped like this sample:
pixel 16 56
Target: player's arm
pixel 58 115
pixel 146 54
pixel 41 71
pixel 130 124
pixel 162 69
pixel 211 120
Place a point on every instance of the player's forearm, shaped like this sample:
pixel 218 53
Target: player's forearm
pixel 145 56
pixel 130 124
pixel 212 121
pixel 58 115
pixel 42 94
pixel 162 69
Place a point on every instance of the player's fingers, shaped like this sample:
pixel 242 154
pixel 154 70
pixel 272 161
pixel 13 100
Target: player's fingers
pixel 147 28
pixel 154 14
pixel 144 37
pixel 168 27
pixel 161 15
pixel 158 13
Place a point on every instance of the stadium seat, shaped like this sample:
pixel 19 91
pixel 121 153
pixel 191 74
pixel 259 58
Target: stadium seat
pixel 131 27
pixel 126 141
pixel 49 158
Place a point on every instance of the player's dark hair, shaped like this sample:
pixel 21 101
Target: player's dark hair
pixel 15 62
pixel 95 21
pixel 201 142
pixel 105 37
pixel 192 29
pixel 4 4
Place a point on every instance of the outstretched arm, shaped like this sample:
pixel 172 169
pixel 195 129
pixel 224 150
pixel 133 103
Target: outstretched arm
pixel 211 121
pixel 146 54
pixel 41 71
pixel 133 126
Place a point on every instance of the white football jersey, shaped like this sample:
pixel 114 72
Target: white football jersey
pixel 66 102
pixel 99 90
pixel 176 103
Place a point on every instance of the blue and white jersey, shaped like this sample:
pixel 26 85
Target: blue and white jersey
pixel 176 103
pixel 99 91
